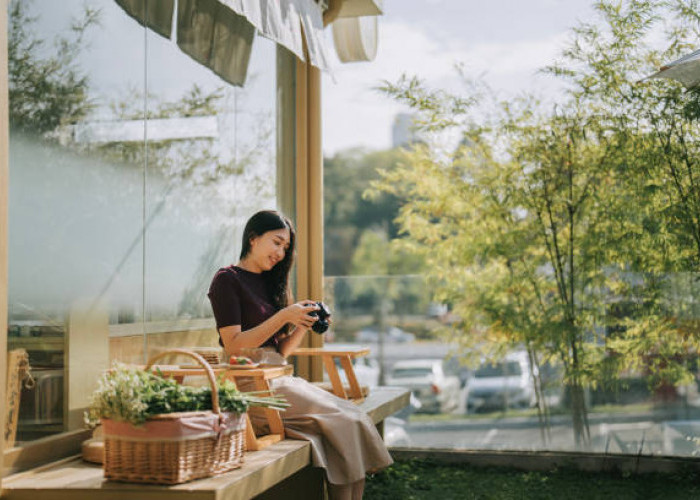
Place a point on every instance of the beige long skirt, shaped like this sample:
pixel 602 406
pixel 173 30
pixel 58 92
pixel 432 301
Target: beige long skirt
pixel 344 440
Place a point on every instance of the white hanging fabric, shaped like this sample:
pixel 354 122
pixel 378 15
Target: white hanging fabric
pixel 219 33
pixel 215 36
pixel 289 23
pixel 157 15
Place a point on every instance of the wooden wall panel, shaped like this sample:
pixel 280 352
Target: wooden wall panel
pixel 4 180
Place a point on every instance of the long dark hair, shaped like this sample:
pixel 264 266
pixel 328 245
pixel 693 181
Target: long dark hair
pixel 277 278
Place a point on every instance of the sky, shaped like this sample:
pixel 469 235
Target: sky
pixel 503 41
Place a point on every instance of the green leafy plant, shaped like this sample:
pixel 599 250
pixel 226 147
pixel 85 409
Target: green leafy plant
pixel 133 395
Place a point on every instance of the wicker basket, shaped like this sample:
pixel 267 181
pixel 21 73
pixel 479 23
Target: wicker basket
pixel 176 447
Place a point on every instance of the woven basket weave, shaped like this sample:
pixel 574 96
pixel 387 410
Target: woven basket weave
pixel 143 455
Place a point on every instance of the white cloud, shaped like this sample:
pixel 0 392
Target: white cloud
pixel 355 114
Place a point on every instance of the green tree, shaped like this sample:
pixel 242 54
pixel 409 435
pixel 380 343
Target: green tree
pixel 655 120
pixel 545 216
pixel 347 215
pixel 513 244
pixel 655 124
pixel 46 86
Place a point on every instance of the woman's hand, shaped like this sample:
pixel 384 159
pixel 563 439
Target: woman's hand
pixel 298 314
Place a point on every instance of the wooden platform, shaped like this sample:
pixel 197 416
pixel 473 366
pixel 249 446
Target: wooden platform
pixel 73 479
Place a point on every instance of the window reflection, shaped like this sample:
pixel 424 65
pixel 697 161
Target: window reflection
pixel 463 399
pixel 132 168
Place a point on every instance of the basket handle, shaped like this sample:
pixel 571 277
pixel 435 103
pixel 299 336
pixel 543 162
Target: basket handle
pixel 200 360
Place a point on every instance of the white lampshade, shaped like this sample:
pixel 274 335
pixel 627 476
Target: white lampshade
pixel 355 38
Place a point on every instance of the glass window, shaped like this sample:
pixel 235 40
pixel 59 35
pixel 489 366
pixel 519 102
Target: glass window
pixel 134 163
pixel 75 202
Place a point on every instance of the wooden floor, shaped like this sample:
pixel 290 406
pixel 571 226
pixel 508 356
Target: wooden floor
pixel 74 479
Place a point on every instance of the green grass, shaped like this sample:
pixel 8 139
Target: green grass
pixel 422 479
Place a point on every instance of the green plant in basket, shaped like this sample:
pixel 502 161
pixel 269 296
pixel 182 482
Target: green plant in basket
pixel 132 395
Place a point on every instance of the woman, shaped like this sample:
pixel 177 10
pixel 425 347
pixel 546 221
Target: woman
pixel 252 307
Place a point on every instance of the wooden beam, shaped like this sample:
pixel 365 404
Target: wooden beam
pixel 4 177
pixel 286 151
pixel 315 205
pixel 86 356
pixel 301 199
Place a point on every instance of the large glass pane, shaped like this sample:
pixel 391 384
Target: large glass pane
pixel 75 204
pixel 211 164
pixel 488 361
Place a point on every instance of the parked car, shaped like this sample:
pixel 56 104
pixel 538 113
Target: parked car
pixel 426 378
pixel 395 432
pixel 436 310
pixel 393 334
pixel 504 384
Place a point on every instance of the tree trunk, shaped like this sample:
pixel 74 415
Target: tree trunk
pixel 542 407
pixel 579 415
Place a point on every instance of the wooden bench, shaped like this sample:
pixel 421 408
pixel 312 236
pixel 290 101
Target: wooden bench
pixel 282 470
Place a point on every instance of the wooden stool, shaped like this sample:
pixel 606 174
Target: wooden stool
pixel 260 377
pixel 354 391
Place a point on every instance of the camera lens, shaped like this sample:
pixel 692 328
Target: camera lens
pixel 322 324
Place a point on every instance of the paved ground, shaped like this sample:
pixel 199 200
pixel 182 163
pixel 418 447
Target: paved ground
pixel 658 433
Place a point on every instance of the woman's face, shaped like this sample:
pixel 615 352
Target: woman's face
pixel 269 248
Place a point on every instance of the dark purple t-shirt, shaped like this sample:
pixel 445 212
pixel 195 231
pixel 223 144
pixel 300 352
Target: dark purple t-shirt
pixel 240 297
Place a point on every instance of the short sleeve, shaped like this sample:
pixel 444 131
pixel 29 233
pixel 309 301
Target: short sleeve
pixel 225 300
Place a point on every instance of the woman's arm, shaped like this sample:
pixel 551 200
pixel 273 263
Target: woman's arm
pixel 298 314
pixel 289 343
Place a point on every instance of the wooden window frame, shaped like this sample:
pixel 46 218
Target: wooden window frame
pixel 4 191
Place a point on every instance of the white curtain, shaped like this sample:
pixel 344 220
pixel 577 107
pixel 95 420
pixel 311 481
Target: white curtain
pixel 287 22
pixel 219 33
pixel 216 37
pixel 156 14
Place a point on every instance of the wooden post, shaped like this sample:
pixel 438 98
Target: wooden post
pixel 309 202
pixel 86 357
pixel 315 217
pixel 4 175
pixel 302 198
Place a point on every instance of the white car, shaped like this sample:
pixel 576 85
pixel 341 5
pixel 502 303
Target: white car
pixel 426 378
pixel 506 383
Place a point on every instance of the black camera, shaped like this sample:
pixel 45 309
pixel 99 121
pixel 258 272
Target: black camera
pixel 323 313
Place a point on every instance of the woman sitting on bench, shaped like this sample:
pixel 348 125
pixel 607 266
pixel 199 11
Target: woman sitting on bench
pixel 252 306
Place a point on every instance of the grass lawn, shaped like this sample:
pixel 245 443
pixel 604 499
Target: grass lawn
pixel 424 479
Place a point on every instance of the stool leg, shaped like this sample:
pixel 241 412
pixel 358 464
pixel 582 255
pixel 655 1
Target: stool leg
pixel 251 441
pixel 332 371
pixel 273 416
pixel 355 391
